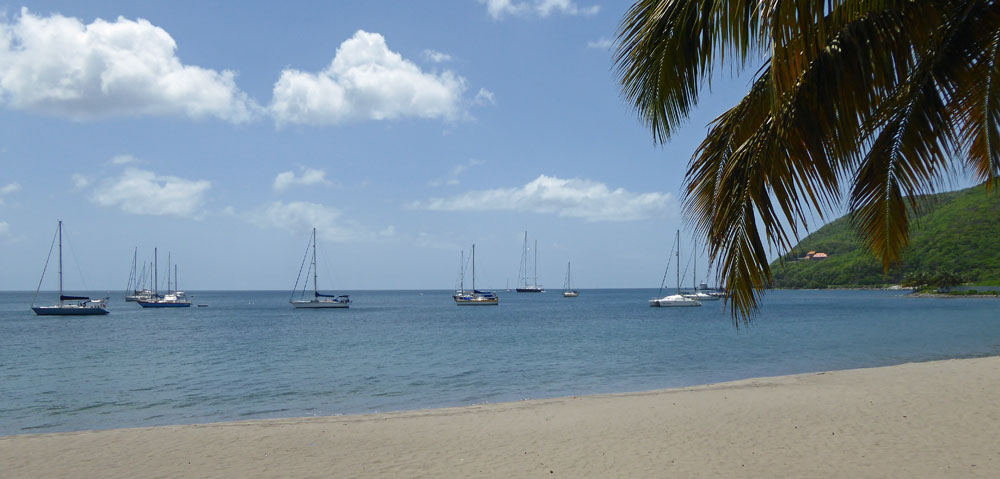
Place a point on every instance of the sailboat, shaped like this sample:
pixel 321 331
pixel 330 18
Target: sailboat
pixel 136 288
pixel 173 298
pixel 569 292
pixel 319 300
pixel 68 305
pixel 674 300
pixel 523 273
pixel 474 297
pixel 698 292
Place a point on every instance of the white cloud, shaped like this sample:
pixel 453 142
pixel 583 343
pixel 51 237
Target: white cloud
pixel 124 160
pixel 437 57
pixel 484 97
pixel 541 8
pixel 302 216
pixel 307 177
pixel 81 181
pixel 575 198
pixel 366 81
pixel 59 66
pixel 10 188
pixel 600 44
pixel 457 171
pixel 143 192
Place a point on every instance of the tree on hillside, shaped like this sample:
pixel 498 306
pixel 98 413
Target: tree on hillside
pixel 880 99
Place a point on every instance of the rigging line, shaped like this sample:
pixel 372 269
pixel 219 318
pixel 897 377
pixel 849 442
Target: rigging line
pixel 297 278
pixel 79 270
pixel 47 258
pixel 666 270
pixel 327 270
pixel 684 274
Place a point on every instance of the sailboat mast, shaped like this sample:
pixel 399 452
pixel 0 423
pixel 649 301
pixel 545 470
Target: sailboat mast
pixel 678 253
pixel 175 278
pixel 60 265
pixel 473 268
pixel 168 272
pixel 535 278
pixel 461 274
pixel 524 259
pixel 315 287
pixel 694 275
pixel 156 274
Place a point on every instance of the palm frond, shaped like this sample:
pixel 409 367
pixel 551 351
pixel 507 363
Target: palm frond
pixel 667 50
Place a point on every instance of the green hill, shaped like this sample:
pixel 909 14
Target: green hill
pixel 956 232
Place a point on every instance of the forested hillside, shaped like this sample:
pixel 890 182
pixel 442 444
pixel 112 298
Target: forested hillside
pixel 955 233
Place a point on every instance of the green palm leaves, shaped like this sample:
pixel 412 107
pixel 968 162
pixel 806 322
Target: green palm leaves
pixel 869 101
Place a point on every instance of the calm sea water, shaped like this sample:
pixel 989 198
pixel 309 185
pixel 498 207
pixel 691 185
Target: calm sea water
pixel 250 355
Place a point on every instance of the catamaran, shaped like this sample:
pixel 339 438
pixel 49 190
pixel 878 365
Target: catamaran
pixel 319 300
pixel 474 297
pixel 68 305
pixel 698 292
pixel 674 300
pixel 569 292
pixel 523 273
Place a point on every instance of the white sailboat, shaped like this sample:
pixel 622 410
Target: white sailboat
pixel 136 288
pixel 698 292
pixel 568 291
pixel 674 300
pixel 319 300
pixel 68 305
pixel 173 298
pixel 474 297
pixel 523 273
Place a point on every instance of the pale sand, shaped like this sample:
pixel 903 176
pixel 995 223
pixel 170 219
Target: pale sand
pixel 934 420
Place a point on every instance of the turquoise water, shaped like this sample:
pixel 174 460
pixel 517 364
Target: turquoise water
pixel 249 355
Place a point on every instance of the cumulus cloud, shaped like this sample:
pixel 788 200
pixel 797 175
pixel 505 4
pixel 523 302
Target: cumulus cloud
pixel 60 66
pixel 307 176
pixel 8 189
pixel 457 171
pixel 484 97
pixel 575 198
pixel 600 44
pixel 437 57
pixel 124 160
pixel 302 216
pixel 81 181
pixel 143 192
pixel 540 8
pixel 366 81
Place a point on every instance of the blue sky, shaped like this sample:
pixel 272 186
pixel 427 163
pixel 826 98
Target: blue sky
pixel 404 131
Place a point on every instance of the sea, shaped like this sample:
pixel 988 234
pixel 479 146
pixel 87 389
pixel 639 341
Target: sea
pixel 250 355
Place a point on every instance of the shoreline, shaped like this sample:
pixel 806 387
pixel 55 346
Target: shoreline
pixel 930 419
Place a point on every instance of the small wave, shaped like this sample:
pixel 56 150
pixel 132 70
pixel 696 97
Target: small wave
pixel 42 426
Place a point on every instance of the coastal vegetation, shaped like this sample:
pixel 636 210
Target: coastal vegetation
pixel 868 104
pixel 954 240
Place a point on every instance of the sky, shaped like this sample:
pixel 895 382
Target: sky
pixel 404 132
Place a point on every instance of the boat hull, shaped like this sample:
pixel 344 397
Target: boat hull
pixel 68 311
pixel 320 304
pixel 158 304
pixel 493 302
pixel 530 290
pixel 571 294
pixel 669 304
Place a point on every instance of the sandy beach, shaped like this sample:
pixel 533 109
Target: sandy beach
pixel 935 419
